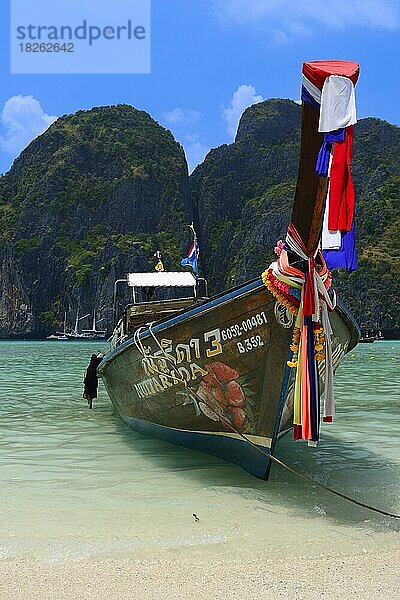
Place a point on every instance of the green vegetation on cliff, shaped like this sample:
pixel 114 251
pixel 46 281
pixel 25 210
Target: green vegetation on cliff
pixel 101 190
pixel 243 195
pixel 90 199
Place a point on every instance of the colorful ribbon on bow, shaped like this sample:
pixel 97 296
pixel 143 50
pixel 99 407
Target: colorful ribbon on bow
pixel 312 331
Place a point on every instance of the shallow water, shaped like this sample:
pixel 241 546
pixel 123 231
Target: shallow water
pixel 76 483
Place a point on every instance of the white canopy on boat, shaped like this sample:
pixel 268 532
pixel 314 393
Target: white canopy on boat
pixel 161 279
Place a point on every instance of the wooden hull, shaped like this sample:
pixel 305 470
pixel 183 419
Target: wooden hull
pixel 218 376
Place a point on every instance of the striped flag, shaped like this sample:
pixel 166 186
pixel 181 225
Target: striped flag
pixel 193 255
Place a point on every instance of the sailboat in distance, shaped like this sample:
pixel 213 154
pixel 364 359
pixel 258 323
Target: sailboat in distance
pixel 83 335
pixel 94 333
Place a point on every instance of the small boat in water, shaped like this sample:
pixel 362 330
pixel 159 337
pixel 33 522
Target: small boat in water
pixel 370 337
pixel 367 340
pixel 230 374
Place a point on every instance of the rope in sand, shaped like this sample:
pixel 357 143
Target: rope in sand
pixel 150 357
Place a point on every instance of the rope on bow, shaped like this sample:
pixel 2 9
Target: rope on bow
pixel 306 295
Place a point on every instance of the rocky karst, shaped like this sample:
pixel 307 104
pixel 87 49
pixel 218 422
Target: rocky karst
pixel 101 190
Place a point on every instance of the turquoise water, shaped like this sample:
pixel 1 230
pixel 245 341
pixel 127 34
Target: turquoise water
pixel 76 483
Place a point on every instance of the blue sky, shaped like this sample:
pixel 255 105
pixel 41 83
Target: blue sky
pixel 211 59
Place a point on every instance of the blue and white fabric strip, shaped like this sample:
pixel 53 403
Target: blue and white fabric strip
pixel 312 90
pixel 306 97
pixel 346 256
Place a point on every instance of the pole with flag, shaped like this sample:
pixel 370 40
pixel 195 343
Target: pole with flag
pixel 193 255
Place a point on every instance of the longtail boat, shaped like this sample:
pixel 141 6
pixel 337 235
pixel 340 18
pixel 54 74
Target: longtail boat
pixel 230 374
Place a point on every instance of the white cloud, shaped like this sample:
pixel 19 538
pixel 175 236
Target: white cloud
pixel 23 119
pixel 243 97
pixel 179 116
pixel 287 19
pixel 184 124
pixel 281 38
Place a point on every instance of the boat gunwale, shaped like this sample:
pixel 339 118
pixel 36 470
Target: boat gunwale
pixel 183 316
pixel 211 303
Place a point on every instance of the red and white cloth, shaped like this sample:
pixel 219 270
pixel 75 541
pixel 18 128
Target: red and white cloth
pixel 331 85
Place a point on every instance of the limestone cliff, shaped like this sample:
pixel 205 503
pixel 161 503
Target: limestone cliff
pixel 242 194
pixel 101 190
pixel 90 199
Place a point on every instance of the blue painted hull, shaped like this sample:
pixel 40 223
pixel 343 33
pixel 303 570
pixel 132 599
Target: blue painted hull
pixel 233 450
pixel 229 381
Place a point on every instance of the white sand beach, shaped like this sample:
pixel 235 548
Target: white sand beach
pixel 368 576
pixel 90 510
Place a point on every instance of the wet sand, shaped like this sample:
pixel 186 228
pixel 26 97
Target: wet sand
pixel 368 576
